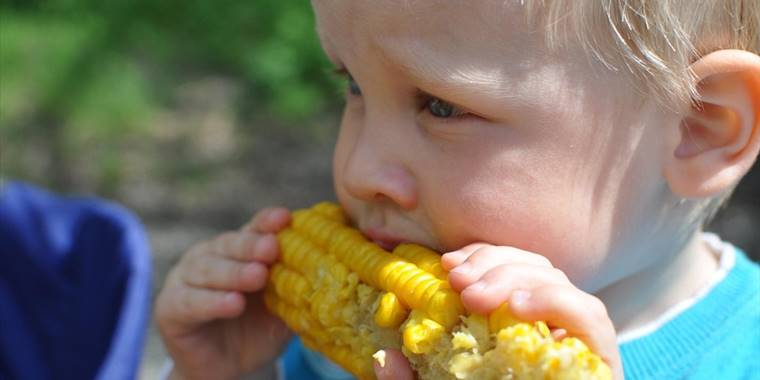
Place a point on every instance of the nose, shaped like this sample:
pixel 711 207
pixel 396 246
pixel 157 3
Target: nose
pixel 374 169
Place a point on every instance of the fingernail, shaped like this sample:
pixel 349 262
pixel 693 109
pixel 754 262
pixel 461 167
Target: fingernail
pixel 448 260
pixel 463 269
pixel 452 253
pixel 231 298
pixel 270 217
pixel 275 214
pixel 519 297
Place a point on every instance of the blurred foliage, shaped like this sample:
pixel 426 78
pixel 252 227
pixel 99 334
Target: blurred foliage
pixel 85 73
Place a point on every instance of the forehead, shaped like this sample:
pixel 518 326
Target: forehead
pixel 408 28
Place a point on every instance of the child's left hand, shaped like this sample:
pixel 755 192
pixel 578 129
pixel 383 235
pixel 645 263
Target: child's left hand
pixel 487 276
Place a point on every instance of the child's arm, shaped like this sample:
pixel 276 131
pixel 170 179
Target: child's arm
pixel 211 313
pixel 487 276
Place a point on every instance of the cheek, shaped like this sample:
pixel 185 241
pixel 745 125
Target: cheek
pixel 343 145
pixel 340 155
pixel 544 219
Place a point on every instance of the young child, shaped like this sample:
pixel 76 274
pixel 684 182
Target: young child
pixel 564 153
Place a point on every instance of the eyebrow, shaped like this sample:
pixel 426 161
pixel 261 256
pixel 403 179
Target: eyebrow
pixel 434 78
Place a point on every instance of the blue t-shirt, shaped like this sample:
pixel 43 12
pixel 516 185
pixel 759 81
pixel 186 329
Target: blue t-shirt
pixel 716 337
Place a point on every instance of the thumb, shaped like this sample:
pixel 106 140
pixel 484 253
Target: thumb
pixel 392 365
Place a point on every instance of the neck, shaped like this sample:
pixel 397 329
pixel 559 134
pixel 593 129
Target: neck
pixel 647 294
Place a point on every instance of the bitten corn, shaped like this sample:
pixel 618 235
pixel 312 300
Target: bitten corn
pixel 348 298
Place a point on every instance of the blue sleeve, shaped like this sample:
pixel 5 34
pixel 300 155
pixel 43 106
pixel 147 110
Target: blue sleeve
pixel 74 287
pixel 293 363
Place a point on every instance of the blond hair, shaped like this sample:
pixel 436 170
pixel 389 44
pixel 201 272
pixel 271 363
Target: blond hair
pixel 655 40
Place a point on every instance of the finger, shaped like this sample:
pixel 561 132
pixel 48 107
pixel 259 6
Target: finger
pixel 266 249
pixel 394 366
pixel 486 257
pixel 214 272
pixel 246 246
pixel 232 245
pixel 495 286
pixel 452 259
pixel 269 220
pixel 580 314
pixel 186 306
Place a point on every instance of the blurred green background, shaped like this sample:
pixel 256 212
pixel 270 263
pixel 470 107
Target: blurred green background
pixel 192 113
pixel 129 79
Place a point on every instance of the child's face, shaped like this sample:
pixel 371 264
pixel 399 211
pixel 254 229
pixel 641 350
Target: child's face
pixel 468 129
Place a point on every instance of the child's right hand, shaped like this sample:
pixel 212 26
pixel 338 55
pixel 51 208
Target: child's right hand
pixel 211 311
pixel 487 276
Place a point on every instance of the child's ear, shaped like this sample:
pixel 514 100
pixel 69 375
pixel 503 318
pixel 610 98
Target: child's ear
pixel 719 137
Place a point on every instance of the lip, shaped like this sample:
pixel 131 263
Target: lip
pixel 385 240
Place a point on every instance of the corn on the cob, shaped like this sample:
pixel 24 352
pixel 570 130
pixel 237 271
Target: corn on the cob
pixel 348 298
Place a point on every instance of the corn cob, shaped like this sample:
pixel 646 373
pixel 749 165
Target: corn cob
pixel 347 298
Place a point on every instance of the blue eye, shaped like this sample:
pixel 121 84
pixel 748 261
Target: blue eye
pixel 353 87
pixel 442 109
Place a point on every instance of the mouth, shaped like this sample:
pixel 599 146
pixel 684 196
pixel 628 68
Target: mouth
pixel 382 238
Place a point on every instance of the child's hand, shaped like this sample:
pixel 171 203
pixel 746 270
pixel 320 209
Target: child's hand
pixel 211 313
pixel 487 276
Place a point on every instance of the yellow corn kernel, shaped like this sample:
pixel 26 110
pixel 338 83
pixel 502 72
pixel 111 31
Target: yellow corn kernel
pixel 501 318
pixel 445 307
pixel 318 228
pixel 463 341
pixel 426 259
pixel 421 333
pixel 298 252
pixel 325 307
pixel 463 364
pixel 416 288
pixel 290 285
pixel 543 329
pixel 330 211
pixel 380 357
pixel 297 320
pixel 344 357
pixel 390 312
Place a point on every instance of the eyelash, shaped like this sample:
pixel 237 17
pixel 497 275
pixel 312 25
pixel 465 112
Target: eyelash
pixel 425 100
